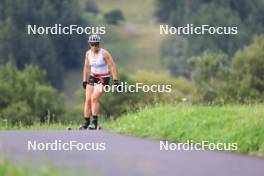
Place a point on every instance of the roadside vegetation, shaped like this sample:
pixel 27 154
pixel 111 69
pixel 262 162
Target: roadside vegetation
pixel 8 168
pixel 241 124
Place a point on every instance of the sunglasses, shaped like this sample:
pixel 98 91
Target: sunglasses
pixel 94 44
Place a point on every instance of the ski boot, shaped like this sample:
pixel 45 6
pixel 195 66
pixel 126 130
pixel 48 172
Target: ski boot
pixel 86 124
pixel 94 124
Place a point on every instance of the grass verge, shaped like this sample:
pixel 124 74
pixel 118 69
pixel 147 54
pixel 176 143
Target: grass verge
pixel 239 124
pixel 37 126
pixel 10 169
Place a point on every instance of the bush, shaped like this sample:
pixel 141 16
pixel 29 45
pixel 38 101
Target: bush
pixel 210 73
pixel 114 16
pixel 220 81
pixel 25 97
pixel 53 53
pixel 115 104
pixel 47 103
pixel 248 72
pixel 181 89
pixel 247 17
pixel 18 112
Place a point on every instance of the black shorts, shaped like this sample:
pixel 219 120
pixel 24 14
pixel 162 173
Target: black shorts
pixel 95 80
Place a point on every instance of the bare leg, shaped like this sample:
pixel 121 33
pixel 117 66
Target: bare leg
pixel 88 102
pixel 98 90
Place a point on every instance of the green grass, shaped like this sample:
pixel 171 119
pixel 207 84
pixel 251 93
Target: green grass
pixel 229 124
pixel 10 169
pixel 53 126
pixel 37 126
pixel 15 168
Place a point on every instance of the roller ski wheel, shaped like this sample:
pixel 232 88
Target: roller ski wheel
pixel 93 128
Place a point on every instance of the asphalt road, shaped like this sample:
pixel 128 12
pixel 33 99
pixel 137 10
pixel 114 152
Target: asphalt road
pixel 115 154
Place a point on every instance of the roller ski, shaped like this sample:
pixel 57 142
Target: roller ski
pixel 84 128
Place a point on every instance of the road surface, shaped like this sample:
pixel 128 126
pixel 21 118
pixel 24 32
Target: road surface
pixel 114 154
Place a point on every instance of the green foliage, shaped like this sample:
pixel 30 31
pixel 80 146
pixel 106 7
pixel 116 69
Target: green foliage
pixel 164 9
pixel 219 81
pixel 72 115
pixel 174 52
pixel 178 12
pixel 114 16
pixel 25 97
pixel 223 16
pixel 248 72
pixel 245 15
pixel 216 79
pixel 18 112
pixel 210 73
pixel 47 103
pixel 181 89
pixel 53 53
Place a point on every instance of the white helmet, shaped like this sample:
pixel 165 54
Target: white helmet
pixel 94 38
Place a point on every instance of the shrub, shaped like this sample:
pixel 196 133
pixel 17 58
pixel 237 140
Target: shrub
pixel 247 70
pixel 114 16
pixel 114 104
pixel 25 97
pixel 18 112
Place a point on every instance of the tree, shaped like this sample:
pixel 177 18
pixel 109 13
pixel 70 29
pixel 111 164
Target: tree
pixel 114 16
pixel 210 72
pixel 53 53
pixel 248 72
pixel 90 6
pixel 174 52
pixel 26 98
pixel 242 80
pixel 247 16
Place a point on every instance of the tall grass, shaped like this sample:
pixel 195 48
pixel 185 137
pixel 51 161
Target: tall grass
pixel 239 124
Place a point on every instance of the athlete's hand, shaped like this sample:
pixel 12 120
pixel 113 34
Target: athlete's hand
pixel 84 84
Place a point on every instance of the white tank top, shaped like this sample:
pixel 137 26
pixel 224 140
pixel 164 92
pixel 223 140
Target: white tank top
pixel 98 64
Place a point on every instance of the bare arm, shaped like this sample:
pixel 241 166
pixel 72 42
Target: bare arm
pixel 109 60
pixel 86 67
